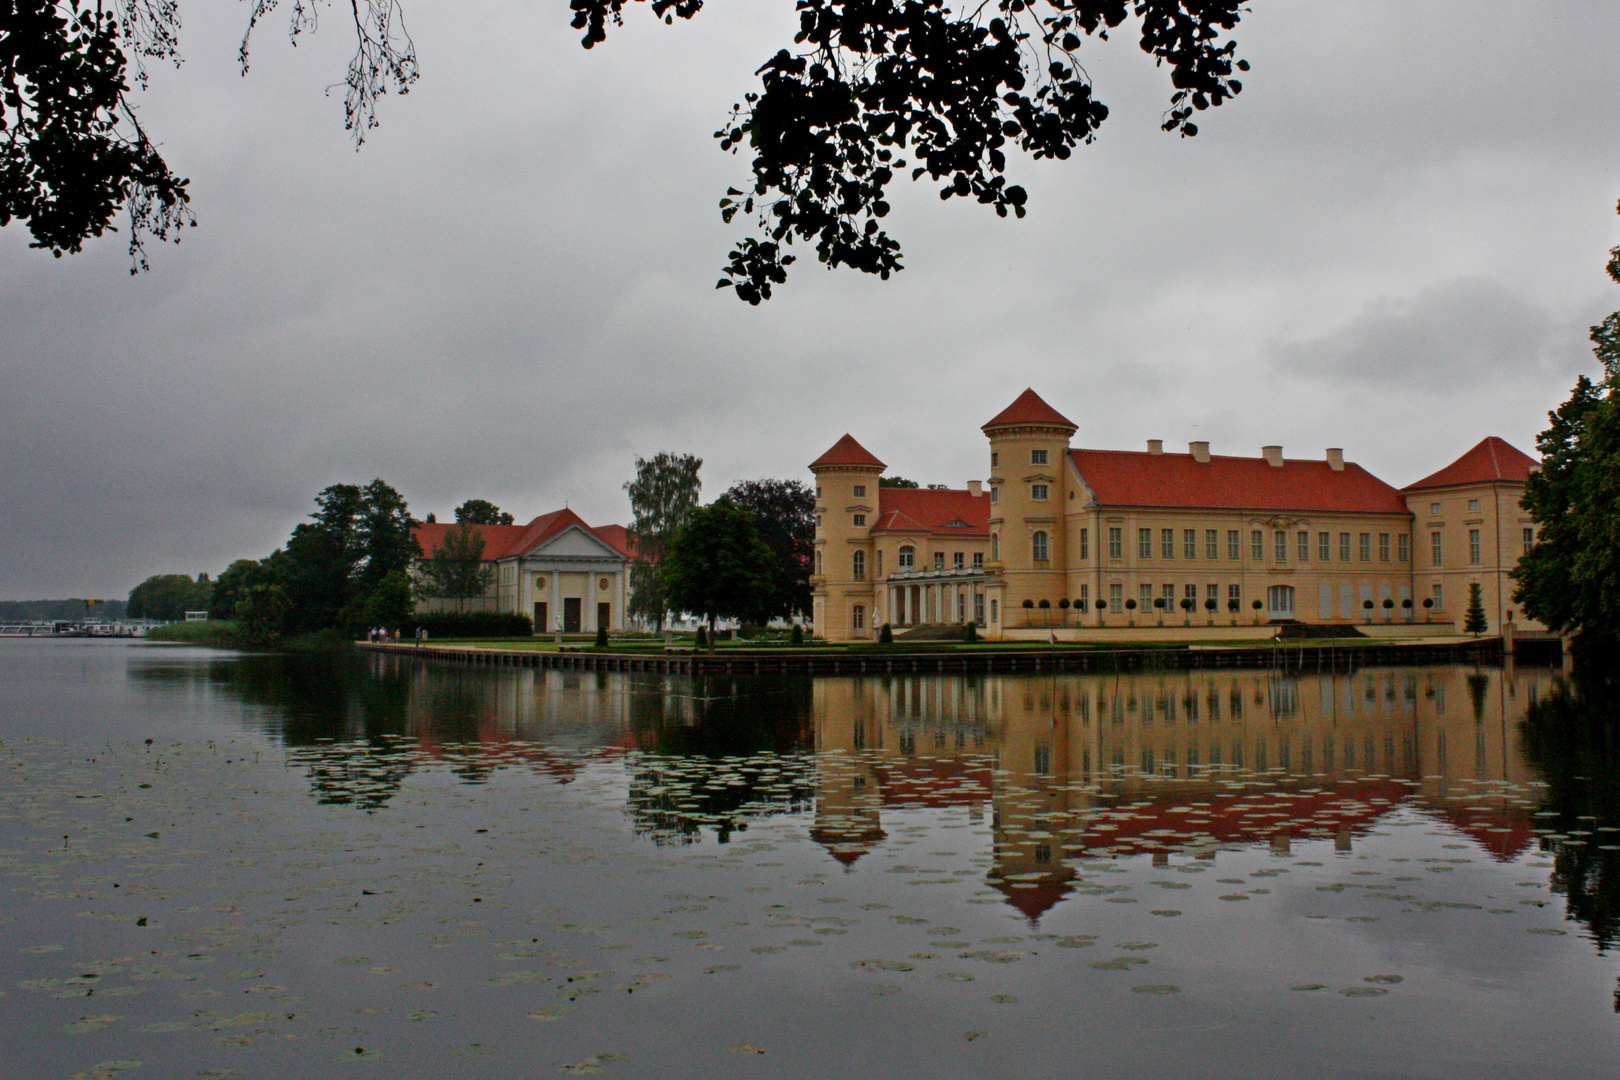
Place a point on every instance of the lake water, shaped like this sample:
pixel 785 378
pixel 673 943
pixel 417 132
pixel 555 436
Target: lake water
pixel 260 866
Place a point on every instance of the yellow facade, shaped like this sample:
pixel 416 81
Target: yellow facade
pixel 1350 551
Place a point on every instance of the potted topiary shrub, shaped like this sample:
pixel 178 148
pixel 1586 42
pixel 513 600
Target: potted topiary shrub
pixel 1130 611
pixel 1233 606
pixel 970 632
pixel 1063 606
pixel 1428 606
pixel 885 634
pixel 1029 619
pixel 1187 605
pixel 1406 604
pixel 1045 606
pixel 601 637
pixel 1158 605
pixel 1367 606
pixel 1389 608
pixel 1210 605
pixel 1257 605
pixel 1102 606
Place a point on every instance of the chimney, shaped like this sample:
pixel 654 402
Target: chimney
pixel 1273 456
pixel 976 488
pixel 1200 451
pixel 1155 446
pixel 1335 459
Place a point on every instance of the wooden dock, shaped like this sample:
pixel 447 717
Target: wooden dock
pixel 1301 658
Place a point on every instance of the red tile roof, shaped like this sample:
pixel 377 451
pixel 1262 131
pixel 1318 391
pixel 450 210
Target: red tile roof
pixel 1492 459
pixel 1029 409
pixel 1137 478
pixel 504 541
pixel 619 537
pixel 948 512
pixel 846 451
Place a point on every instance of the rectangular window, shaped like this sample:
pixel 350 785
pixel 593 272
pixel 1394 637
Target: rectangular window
pixel 859 565
pixel 857 617
pixel 1232 544
pixel 995 494
pixel 860 491
pixel 1037 457
pixel 957 560
pixel 1037 492
pixel 1434 549
pixel 1383 547
pixel 1324 546
pixel 1145 597
pixel 1116 598
pixel 995 459
pixel 1167 593
pixel 1529 539
pixel 1212 594
pixel 1304 547
pixel 1190 592
pixel 1403 547
pixel 1167 542
pixel 1473 546
pixel 1116 542
pixel 1344 547
pixel 1365 545
pixel 880 563
pixel 1189 543
pixel 1280 545
pixel 860 519
pixel 1085 543
pixel 1434 509
pixel 1234 595
pixel 1212 545
pixel 1084 599
pixel 1144 543
pixel 978 560
pixel 1473 506
pixel 978 608
pixel 939 560
pixel 1257 546
pixel 1439 595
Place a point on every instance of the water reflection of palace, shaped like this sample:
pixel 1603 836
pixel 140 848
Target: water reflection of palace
pixel 1070 767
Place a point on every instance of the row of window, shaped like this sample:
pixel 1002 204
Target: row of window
pixel 1036 457
pixel 1284 546
pixel 907 560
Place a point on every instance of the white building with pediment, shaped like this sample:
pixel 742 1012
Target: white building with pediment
pixel 567 576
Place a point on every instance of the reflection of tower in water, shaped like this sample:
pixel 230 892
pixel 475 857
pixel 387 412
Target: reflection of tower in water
pixel 1160 763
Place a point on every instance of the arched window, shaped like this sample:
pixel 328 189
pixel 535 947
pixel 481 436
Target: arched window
pixel 1038 547
pixel 908 557
pixel 860 565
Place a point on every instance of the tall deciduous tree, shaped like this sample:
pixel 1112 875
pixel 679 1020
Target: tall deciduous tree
pixel 662 495
pixel 169 596
pixel 717 566
pixel 456 570
pixel 785 515
pixel 1570 578
pixel 866 92
pixel 481 512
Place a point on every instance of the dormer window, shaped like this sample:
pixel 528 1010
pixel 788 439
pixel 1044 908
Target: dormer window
pixel 1037 457
pixel 860 491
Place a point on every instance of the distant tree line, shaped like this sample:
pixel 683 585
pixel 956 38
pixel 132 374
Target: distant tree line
pixel 50 610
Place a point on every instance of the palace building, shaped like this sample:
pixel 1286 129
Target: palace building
pixel 1062 540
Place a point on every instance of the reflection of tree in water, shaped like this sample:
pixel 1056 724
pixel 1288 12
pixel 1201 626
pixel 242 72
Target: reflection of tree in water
pixel 722 751
pixel 1573 738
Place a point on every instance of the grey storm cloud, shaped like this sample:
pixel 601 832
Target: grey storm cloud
pixel 508 292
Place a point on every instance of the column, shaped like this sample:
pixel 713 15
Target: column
pixel 554 608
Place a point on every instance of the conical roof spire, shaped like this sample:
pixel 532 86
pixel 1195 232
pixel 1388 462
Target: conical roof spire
pixel 1030 411
pixel 847 453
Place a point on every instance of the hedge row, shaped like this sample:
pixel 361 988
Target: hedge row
pixel 482 624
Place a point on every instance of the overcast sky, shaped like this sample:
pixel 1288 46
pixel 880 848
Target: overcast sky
pixel 1392 242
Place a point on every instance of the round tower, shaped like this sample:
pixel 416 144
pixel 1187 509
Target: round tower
pixel 1029 441
pixel 842 579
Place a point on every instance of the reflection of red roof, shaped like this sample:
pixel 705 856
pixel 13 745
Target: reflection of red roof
pixel 502 541
pixel 1036 899
pixel 1029 410
pixel 1504 833
pixel 847 451
pixel 1138 478
pixel 949 512
pixel 1492 459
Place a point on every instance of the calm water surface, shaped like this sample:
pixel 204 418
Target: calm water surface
pixel 257 866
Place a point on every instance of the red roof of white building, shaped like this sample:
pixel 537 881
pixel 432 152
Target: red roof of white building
pixel 1493 459
pixel 503 541
pixel 1138 478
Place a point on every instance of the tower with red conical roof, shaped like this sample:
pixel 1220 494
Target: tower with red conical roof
pixel 1029 449
pixel 843 594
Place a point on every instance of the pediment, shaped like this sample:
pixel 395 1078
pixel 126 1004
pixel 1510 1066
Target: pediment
pixel 574 542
